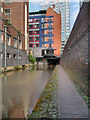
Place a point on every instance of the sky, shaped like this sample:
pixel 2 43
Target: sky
pixel 74 10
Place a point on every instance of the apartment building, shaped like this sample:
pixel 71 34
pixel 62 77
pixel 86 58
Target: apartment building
pixel 64 7
pixel 13 33
pixel 45 30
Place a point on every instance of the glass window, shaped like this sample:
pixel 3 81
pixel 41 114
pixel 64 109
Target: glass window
pixel 1 37
pixel 7 11
pixel 36 32
pixel 30 45
pixel 7 1
pixel 15 42
pixel 14 56
pixel 37 38
pixel 8 40
pixel 37 45
pixel 1 9
pixel 1 55
pixel 36 19
pixel 8 55
pixel 30 20
pixel 30 39
pixel 19 56
pixel 30 26
pixel 30 32
pixel 36 26
pixel 8 21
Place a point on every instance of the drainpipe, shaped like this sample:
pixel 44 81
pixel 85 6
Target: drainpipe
pixel 5 26
pixel 18 48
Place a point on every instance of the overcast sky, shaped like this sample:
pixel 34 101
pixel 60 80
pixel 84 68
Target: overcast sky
pixel 74 9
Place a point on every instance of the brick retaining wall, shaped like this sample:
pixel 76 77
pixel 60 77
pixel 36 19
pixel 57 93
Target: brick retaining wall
pixel 75 55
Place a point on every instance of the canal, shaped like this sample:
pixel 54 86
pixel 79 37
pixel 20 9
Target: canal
pixel 22 89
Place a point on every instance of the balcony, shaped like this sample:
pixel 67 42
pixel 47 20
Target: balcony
pixel 50 39
pixel 50 26
pixel 50 33
pixel 49 20
pixel 47 35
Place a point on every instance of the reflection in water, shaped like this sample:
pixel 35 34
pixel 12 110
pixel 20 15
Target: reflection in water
pixel 21 90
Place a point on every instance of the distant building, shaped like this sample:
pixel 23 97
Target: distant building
pixel 64 7
pixel 81 2
pixel 13 33
pixel 45 30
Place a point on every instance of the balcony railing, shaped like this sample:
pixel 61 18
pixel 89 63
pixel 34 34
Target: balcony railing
pixel 50 33
pixel 49 20
pixel 50 26
pixel 50 39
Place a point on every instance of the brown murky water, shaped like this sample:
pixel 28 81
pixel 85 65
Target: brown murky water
pixel 21 90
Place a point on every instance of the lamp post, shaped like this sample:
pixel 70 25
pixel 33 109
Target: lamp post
pixel 18 48
pixel 5 26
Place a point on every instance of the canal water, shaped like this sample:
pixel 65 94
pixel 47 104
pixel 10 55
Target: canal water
pixel 21 90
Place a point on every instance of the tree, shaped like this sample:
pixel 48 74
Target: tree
pixel 32 59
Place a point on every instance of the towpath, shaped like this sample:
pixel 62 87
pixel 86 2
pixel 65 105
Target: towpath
pixel 70 103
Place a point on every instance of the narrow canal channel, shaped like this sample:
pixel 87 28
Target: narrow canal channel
pixel 21 90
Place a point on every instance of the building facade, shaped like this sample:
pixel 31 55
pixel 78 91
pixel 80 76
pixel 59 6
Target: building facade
pixel 64 7
pixel 16 14
pixel 81 2
pixel 13 38
pixel 43 30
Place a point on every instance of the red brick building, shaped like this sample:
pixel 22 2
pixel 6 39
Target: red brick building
pixel 16 14
pixel 13 33
pixel 45 30
pixel 56 31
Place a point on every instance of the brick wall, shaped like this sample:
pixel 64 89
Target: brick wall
pixel 75 55
pixel 12 61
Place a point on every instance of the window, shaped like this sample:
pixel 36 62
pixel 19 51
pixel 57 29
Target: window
pixel 30 32
pixel 1 37
pixel 30 20
pixel 7 11
pixel 7 1
pixel 43 19
pixel 8 21
pixel 42 52
pixel 43 25
pixel 36 32
pixel 30 26
pixel 15 42
pixel 36 26
pixel 37 45
pixel 8 40
pixel 8 55
pixel 63 41
pixel 37 38
pixel 1 55
pixel 19 57
pixel 20 45
pixel 30 39
pixel 62 47
pixel 1 9
pixel 63 44
pixel 36 19
pixel 14 56
pixel 30 45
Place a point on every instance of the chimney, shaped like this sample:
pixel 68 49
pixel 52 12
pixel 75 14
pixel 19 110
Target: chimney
pixel 53 6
